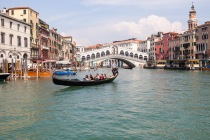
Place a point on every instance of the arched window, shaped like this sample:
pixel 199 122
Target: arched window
pixel 25 55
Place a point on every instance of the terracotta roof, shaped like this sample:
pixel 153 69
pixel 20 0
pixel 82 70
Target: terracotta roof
pixel 174 33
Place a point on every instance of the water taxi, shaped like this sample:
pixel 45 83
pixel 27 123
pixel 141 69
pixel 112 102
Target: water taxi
pixel 193 64
pixel 160 64
pixel 177 64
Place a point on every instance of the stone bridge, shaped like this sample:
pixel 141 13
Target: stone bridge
pixel 130 57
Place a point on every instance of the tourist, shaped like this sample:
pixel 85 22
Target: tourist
pixel 102 77
pixel 86 78
pixel 97 77
pixel 91 77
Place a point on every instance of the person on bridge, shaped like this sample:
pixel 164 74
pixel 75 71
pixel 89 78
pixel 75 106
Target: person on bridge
pixel 114 68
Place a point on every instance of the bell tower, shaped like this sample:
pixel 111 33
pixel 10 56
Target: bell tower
pixel 192 22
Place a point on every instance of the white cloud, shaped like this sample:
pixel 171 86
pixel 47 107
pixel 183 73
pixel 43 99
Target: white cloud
pixel 147 26
pixel 124 30
pixel 130 2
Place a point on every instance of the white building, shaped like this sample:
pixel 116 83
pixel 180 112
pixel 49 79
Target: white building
pixel 14 39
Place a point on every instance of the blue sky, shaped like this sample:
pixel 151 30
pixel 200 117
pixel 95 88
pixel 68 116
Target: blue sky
pixel 102 21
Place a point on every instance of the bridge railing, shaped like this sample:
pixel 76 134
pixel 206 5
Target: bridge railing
pixel 115 56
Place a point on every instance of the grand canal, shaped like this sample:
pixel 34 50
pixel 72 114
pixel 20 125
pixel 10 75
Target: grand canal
pixel 139 104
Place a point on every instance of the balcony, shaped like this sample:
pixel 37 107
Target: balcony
pixel 200 52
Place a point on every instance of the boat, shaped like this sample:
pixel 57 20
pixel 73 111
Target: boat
pixel 205 64
pixel 149 65
pixel 177 64
pixel 65 72
pixel 127 67
pixel 160 64
pixel 193 64
pixel 41 69
pixel 3 76
pixel 77 82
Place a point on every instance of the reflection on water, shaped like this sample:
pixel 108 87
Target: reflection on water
pixel 139 104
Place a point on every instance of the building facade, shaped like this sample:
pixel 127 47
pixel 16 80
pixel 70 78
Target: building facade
pixel 14 40
pixel 174 48
pixel 203 41
pixel 31 17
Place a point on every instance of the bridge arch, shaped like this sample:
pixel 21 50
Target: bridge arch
pixel 83 58
pixel 107 52
pixel 122 52
pixel 131 54
pixel 126 53
pixel 102 53
pixel 88 57
pixel 97 55
pixel 93 56
pixel 136 55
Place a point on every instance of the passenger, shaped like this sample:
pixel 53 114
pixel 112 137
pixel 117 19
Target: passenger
pixel 97 77
pixel 105 76
pixel 102 77
pixel 91 77
pixel 86 78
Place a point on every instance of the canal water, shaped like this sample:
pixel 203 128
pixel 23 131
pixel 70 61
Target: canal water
pixel 139 104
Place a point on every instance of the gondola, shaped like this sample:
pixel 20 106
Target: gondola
pixel 77 82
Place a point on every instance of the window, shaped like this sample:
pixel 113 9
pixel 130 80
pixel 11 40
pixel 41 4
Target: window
pixel 2 56
pixel 18 40
pixel 10 39
pixel 2 22
pixel 24 20
pixel 10 24
pixel 25 29
pixel 2 38
pixel 24 12
pixel 25 42
pixel 18 27
pixel 12 12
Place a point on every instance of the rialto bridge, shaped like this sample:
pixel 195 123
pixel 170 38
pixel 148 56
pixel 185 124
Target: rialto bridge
pixel 105 55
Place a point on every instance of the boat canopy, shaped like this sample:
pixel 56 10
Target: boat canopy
pixel 63 62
